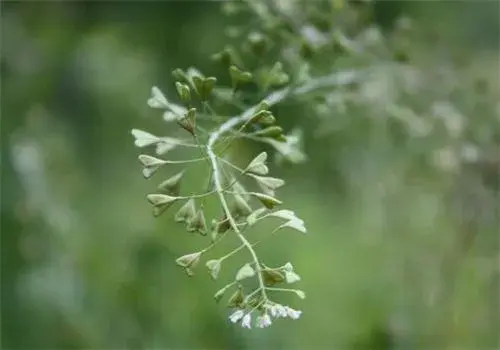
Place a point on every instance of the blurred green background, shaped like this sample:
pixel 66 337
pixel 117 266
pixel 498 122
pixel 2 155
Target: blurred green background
pixel 390 262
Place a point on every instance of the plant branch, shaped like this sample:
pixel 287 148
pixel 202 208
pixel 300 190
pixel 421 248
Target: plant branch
pixel 335 79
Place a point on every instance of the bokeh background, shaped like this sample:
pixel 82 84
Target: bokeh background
pixel 402 253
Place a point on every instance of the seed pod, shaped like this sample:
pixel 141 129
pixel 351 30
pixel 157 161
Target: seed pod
pixel 188 121
pixel 173 184
pixel 272 276
pixel 183 91
pixel 237 299
pixel 186 212
pixel 198 223
pixel 271 131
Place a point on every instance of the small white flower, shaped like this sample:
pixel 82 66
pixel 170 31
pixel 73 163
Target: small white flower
pixel 246 321
pixel 293 314
pixel 263 321
pixel 278 310
pixel 236 316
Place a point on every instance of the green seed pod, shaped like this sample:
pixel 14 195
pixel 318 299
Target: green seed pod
pixel 258 43
pixel 237 299
pixel 188 122
pixel 271 131
pixel 173 184
pixel 208 86
pixel 186 212
pixel 241 208
pixel 183 91
pixel 272 276
pixel 238 76
pixel 268 201
pixel 160 202
pixel 189 262
pixel 198 223
pixel 219 294
pixel 263 117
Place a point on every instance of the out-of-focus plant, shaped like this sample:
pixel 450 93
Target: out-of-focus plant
pixel 330 57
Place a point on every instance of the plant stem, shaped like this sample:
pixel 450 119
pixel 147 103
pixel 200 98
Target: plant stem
pixel 335 79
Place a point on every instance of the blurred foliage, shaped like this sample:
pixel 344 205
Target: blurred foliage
pixel 404 244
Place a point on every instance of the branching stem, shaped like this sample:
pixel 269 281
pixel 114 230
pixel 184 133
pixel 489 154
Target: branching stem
pixel 335 79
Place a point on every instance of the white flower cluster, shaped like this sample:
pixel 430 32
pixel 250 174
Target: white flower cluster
pixel 264 320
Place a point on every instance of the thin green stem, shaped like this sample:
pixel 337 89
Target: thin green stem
pixel 184 161
pixel 198 195
pixel 231 164
pixel 252 294
pixel 281 289
pixel 214 243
